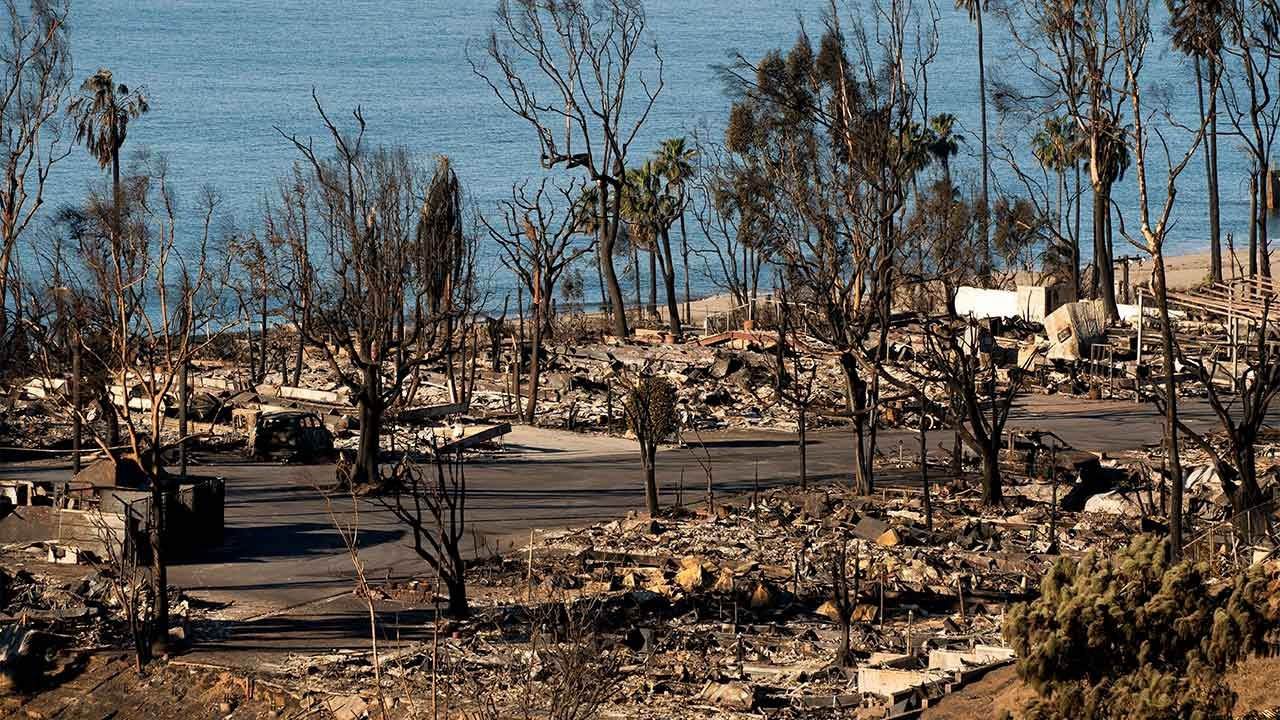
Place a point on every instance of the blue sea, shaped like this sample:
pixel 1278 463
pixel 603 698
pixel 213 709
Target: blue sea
pixel 223 75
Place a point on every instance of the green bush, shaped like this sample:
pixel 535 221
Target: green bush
pixel 1132 636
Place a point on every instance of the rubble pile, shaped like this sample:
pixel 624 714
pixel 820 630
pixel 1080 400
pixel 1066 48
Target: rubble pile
pixel 718 387
pixel 52 615
pixel 724 380
pixel 733 611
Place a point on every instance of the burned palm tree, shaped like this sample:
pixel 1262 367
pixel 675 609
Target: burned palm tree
pixel 102 113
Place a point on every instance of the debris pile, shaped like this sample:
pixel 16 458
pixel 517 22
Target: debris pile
pixel 734 611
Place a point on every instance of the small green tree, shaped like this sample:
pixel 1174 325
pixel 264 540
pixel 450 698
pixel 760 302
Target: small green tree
pixel 1136 637
pixel 651 416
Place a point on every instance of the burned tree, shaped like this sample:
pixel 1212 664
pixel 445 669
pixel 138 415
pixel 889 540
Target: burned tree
pixel 147 301
pixel 943 246
pixel 255 282
pixel 127 574
pixel 1196 28
pixel 539 244
pixel 651 413
pixel 1241 396
pixel 1133 24
pixel 432 501
pixel 35 54
pixel 795 375
pixel 576 64
pixel 831 127
pixel 1073 54
pixel 1250 100
pixel 399 270
pixel 1242 414
pixel 734 206
pixel 844 599
pixel 287 230
pixel 957 353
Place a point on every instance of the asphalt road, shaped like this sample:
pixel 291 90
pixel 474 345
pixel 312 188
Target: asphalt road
pixel 284 572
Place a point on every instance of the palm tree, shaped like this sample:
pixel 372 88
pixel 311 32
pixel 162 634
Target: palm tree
pixel 587 222
pixel 975 8
pixel 651 209
pixel 1197 33
pixel 638 195
pixel 675 162
pixel 101 114
pixel 1057 149
pixel 943 142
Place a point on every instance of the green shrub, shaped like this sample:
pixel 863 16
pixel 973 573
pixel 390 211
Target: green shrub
pixel 1134 637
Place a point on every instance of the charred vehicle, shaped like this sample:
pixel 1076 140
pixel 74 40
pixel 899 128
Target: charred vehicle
pixel 290 437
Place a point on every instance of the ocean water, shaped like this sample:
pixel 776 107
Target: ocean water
pixel 222 76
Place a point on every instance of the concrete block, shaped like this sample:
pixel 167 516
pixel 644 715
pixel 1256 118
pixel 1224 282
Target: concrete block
pixel 958 659
pixel 888 682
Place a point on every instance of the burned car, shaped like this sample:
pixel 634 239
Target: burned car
pixel 290 437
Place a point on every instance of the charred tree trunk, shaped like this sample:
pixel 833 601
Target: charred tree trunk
pixel 370 409
pixel 77 422
pixel 648 455
pixel 159 570
pixel 262 339
pixel 652 307
pixel 1105 273
pixel 107 408
pixel 608 234
pixel 1246 495
pixel 1170 408
pixel 1264 242
pixel 924 470
pixel 684 252
pixel 458 605
pixel 804 450
pixel 669 280
pixel 992 486
pixel 856 389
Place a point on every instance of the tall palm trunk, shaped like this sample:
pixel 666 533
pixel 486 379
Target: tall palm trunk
pixel 1102 249
pixel 1211 169
pixel 986 162
pixel 604 302
pixel 1264 240
pixel 1077 202
pixel 1253 224
pixel 652 307
pixel 684 252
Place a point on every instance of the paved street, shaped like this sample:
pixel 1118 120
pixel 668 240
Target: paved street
pixel 284 566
